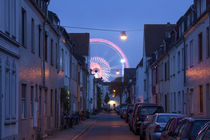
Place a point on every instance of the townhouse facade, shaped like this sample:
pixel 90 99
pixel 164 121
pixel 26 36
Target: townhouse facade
pixel 180 77
pixel 9 69
pixel 197 60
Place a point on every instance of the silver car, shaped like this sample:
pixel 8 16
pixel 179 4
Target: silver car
pixel 159 121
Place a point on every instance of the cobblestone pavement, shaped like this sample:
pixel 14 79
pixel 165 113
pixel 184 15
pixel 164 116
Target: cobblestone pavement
pixel 75 132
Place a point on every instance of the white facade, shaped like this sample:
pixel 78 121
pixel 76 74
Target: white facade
pixel 9 55
pixel 139 84
pixel 197 68
pixel 90 95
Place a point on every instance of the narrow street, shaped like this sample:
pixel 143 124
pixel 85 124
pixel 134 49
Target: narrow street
pixel 109 126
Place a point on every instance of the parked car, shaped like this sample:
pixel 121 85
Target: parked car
pixel 142 111
pixel 170 127
pixel 159 122
pixel 143 126
pixel 190 128
pixel 122 109
pixel 130 122
pixel 129 110
pixel 204 133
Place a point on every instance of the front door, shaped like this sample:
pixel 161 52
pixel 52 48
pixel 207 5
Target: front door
pixel 0 98
pixel 207 100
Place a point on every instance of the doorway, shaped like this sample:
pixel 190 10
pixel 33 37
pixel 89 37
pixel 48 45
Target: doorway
pixel 0 98
pixel 207 100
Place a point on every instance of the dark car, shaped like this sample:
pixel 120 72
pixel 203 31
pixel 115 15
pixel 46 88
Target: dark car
pixel 143 110
pixel 143 126
pixel 130 122
pixel 188 128
pixel 129 110
pixel 170 127
pixel 122 109
pixel 204 133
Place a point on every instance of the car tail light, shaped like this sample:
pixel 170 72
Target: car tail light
pixel 143 126
pixel 137 118
pixel 157 128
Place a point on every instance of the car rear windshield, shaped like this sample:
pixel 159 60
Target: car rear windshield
pixel 163 118
pixel 150 110
pixel 197 125
pixel 130 107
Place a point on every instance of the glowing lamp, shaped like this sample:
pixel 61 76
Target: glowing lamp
pixel 122 60
pixel 117 72
pixel 114 90
pixel 123 35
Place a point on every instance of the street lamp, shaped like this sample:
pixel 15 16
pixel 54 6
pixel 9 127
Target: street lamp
pixel 117 72
pixel 123 35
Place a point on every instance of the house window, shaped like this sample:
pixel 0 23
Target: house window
pixel 175 101
pixel 13 91
pixel 56 55
pixel 7 15
pixel 166 103
pixel 40 101
pixel 51 102
pixel 178 61
pixel 23 32
pixel 45 46
pixel 32 100
pixel 191 53
pixel 62 59
pixel 51 52
pixel 200 47
pixel 207 91
pixel 145 85
pixel 186 56
pixel 45 103
pixel 207 43
pixel 39 40
pixel 174 65
pixel 201 97
pixel 7 90
pixel 23 101
pixel 13 18
pixel 165 71
pixel 32 36
pixel 182 59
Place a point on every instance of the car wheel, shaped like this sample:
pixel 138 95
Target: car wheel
pixel 141 137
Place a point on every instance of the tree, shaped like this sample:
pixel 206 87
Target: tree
pixel 99 98
pixel 117 87
pixel 106 100
pixel 128 100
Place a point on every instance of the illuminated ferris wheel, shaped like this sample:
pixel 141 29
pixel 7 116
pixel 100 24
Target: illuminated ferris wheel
pixel 107 62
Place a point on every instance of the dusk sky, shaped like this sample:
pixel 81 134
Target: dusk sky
pixel 119 15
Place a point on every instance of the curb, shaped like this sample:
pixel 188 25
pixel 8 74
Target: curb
pixel 83 131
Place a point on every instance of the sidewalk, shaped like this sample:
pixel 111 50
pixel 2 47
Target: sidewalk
pixel 75 132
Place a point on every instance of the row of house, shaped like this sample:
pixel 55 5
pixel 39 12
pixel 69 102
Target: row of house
pixel 44 70
pixel 174 69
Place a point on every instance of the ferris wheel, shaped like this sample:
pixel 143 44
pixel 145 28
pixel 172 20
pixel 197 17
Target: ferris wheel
pixel 107 60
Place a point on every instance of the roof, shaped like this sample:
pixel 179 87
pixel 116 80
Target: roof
pixel 129 72
pixel 80 43
pixel 154 34
pixel 140 63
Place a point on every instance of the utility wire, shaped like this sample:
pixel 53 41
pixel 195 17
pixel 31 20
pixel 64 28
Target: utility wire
pixel 100 29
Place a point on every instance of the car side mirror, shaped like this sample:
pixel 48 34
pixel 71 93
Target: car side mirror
pixel 171 134
pixel 184 139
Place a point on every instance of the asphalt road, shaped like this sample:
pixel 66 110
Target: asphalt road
pixel 109 126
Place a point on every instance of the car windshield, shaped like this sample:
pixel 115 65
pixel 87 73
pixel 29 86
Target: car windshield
pixel 163 118
pixel 149 110
pixel 130 107
pixel 197 125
